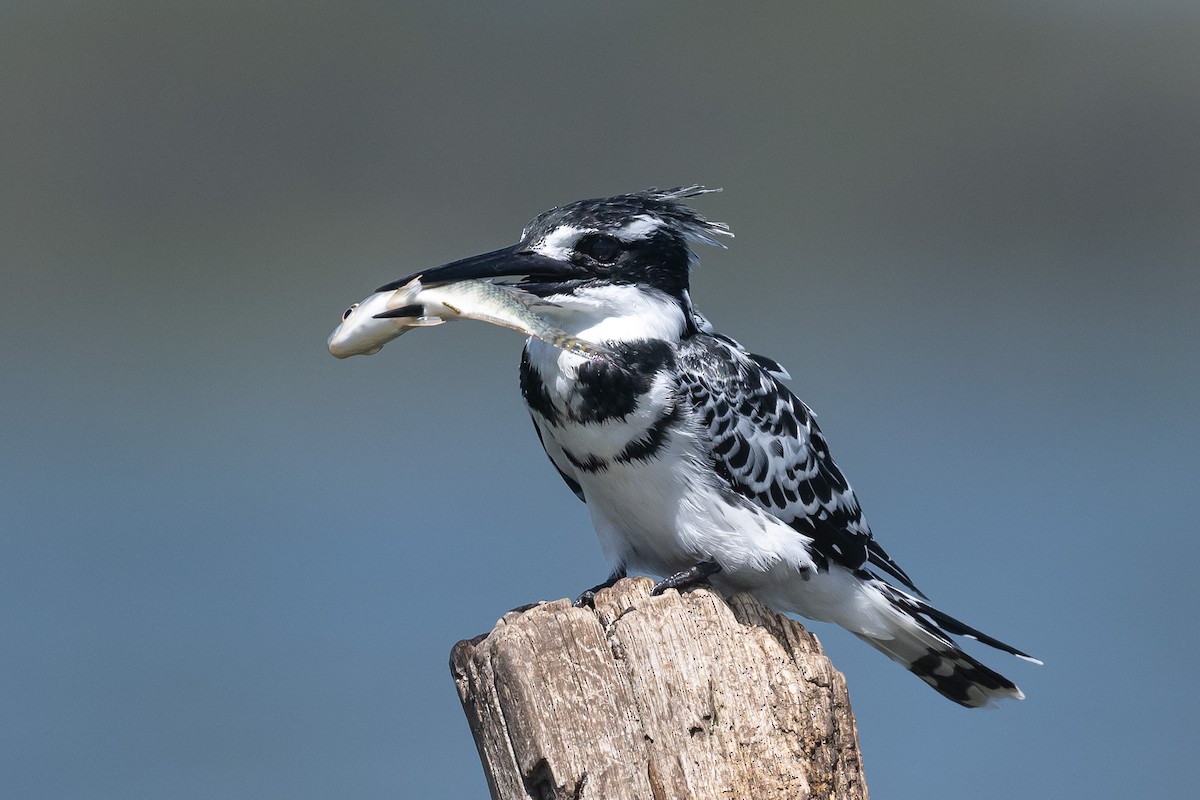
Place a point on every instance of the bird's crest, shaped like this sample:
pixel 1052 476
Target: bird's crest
pixel 663 205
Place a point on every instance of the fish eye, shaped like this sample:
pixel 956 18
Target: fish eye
pixel 349 311
pixel 600 247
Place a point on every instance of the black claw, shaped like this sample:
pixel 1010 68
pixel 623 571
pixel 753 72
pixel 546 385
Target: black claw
pixel 688 578
pixel 588 598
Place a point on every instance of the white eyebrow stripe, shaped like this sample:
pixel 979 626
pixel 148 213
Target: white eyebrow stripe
pixel 560 241
pixel 639 228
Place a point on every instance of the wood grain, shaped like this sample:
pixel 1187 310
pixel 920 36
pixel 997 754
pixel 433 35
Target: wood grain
pixel 657 698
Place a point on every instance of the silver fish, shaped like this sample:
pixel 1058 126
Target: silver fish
pixel 367 326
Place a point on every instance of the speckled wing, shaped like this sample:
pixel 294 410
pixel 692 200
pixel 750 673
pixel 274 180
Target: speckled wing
pixel 766 444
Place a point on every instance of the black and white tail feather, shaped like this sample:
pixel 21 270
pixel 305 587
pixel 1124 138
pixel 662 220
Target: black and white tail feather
pixel 920 642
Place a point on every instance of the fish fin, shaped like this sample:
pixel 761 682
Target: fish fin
pixel 405 294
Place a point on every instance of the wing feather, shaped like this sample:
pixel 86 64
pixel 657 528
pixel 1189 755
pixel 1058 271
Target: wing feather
pixel 766 443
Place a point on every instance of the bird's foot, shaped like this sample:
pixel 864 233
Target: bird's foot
pixel 688 578
pixel 588 598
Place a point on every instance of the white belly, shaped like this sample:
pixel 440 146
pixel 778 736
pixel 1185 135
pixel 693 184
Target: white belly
pixel 668 513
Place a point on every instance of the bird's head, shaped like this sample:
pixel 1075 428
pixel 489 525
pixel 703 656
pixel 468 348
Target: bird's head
pixel 642 239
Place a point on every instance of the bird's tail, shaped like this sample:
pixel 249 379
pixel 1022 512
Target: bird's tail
pixel 919 640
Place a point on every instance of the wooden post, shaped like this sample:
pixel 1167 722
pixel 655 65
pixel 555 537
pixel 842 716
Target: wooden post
pixel 657 698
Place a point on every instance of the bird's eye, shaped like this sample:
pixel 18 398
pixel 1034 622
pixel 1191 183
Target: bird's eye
pixel 600 247
pixel 349 311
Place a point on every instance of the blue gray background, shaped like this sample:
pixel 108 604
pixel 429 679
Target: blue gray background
pixel 233 567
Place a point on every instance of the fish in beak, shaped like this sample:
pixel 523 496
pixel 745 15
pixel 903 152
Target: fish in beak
pixel 367 326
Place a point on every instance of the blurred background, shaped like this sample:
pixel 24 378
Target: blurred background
pixel 232 566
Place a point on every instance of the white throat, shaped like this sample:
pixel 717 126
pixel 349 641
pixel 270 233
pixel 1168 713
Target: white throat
pixel 618 314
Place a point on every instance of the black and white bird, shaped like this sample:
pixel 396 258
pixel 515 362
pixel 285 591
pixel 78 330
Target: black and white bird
pixel 695 461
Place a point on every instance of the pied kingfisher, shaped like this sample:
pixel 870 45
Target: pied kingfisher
pixel 695 461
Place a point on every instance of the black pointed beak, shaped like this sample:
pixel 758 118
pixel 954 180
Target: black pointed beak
pixel 414 310
pixel 514 261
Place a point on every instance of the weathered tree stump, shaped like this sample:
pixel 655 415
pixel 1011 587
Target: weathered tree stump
pixel 657 698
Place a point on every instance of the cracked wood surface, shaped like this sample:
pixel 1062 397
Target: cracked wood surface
pixel 657 698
